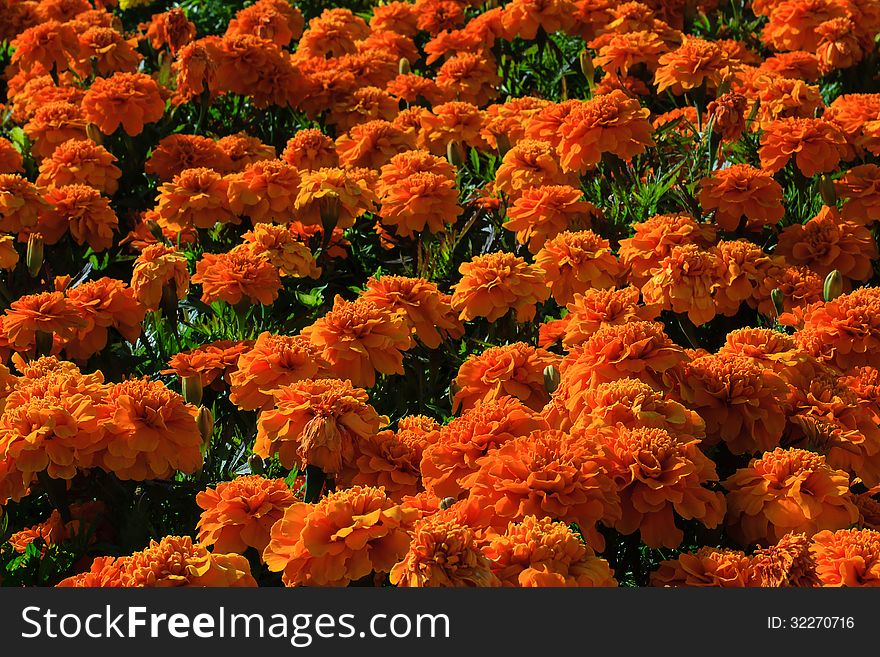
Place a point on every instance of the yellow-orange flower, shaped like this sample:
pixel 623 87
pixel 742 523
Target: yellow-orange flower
pixel 343 538
pixel 816 145
pixel 126 99
pixel 170 28
pixel 596 308
pixel 859 188
pixel 848 328
pixel 178 152
pixel 274 361
pixel 47 312
pixel 53 124
pixel 284 249
pixel 495 283
pixel 707 567
pixel 542 553
pixel 10 159
pixel 575 263
pixel 373 144
pixel 847 557
pixel 786 564
pixel 787 490
pixel 239 514
pixel 418 194
pixel 265 191
pixel 194 198
pixel 156 267
pixel 316 422
pixel 81 210
pixel 360 338
pixel 530 163
pixel 742 192
pixel 80 161
pixel 470 76
pixel 347 192
pixel 694 63
pixel 309 150
pixel 104 303
pixel 213 363
pixel 542 213
pixel 177 561
pixel 685 282
pixel 237 275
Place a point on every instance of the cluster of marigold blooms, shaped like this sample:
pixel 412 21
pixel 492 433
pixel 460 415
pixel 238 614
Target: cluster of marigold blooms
pixel 605 424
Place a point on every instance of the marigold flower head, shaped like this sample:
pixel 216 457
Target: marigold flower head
pixel 685 282
pixel 21 204
pixel 575 263
pixel 196 71
pixel 104 572
pixel 348 191
pixel 654 240
pixel 494 283
pixel 707 567
pixel 596 308
pixel 248 65
pixel 800 286
pixel 540 553
pixel 105 303
pixel 455 121
pixel 443 553
pixel 741 401
pixel 242 150
pixel 194 198
pixel 547 473
pixel 373 144
pixel 847 557
pixel 237 275
pixel 541 213
pixel 176 153
pixel 46 312
pixel 274 361
pixel 515 370
pixel 265 191
pixel 333 33
pixel 612 123
pixel 172 29
pixel 53 124
pixel 8 253
pixel 239 514
pixel 787 490
pixel 151 432
pixel 177 561
pixel 418 193
pixel 694 63
pixel 213 363
pixel 283 249
pixel 659 475
pixel 729 114
pixel 620 52
pixel 816 145
pixel 81 210
pixel 453 453
pixel 48 44
pixel 413 88
pixel 106 51
pixel 10 159
pixel 156 267
pixel 742 192
pixel 427 310
pixel 745 269
pixel 471 77
pixel 523 18
pixel 389 460
pixel 859 188
pixel 360 338
pixel 826 242
pixel 316 422
pixel 343 538
pixel 400 17
pixel 856 117
pixel 786 564
pixel 127 99
pixel 80 161
pixel 273 20
pixel 849 328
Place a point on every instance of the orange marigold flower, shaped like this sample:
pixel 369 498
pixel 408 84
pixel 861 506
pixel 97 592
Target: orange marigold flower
pixel 172 29
pixel 344 537
pixel 495 283
pixel 746 268
pixel 856 116
pixel 654 240
pixel 840 45
pixel 274 20
pixel 105 51
pixel 8 253
pixel 333 33
pixel 786 564
pixel 239 514
pixel 530 163
pixel 347 193
pixel 105 303
pixel 452 455
pixel 816 145
pixel 515 370
pixel 427 310
pixel 265 191
pixel 316 422
pixel 793 23
pixel 410 88
pixel 787 490
pixel 471 76
pixel 363 105
pixel 637 349
pixel 418 192
pixel 10 158
pixel 250 66
pixel 741 401
pixel 800 287
pixel 360 338
pixel 612 123
pixel 194 198
pixel 596 308
pixel 523 18
pixel 196 71
pixel 389 460
pixel 826 242
pixel 177 561
pixel 126 99
pixel 847 557
pixel 242 150
pixel 104 572
pixel 373 144
pixel 156 267
pixel 545 124
pixel 81 210
pixel 151 432
pixel 742 192
pixel 729 114
pixel 685 282
pixel 237 275
pixel 543 553
pixel 618 53
pixel 707 567
pixel 859 188
pixel 83 162
pixel 53 124
pixel 795 64
pixel 694 63
pixel 309 150
pixel 21 204
pixel 274 361
pixel 48 44
pixel 176 153
pixel 542 213
pixel 849 328
pixel 659 475
pixel 455 121
pixel 545 473
pixel 213 363
pixel 400 17
pixel 575 263
pixel 283 249
pixel 47 312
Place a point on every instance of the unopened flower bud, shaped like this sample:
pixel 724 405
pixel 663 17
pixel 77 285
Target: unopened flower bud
pixel 777 297
pixel 826 190
pixel 833 285
pixel 447 502
pixel 256 464
pixel 403 66
pixel 329 206
pixel 503 142
pixel 453 390
pixel 455 153
pixel 551 378
pixel 191 387
pixel 587 67
pixel 168 304
pixel 155 229
pixel 205 420
pixel 34 257
pixel 94 133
